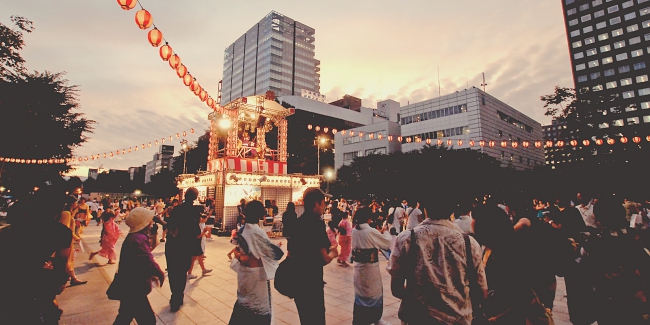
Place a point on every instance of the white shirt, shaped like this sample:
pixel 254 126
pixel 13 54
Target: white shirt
pixel 399 217
pixel 93 206
pixel 413 215
pixel 464 223
pixel 587 213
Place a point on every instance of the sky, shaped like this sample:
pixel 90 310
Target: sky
pixel 371 49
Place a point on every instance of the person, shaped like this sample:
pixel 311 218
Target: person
pixel 274 207
pixel 312 250
pixel 138 269
pixel 200 258
pixel 436 292
pixel 210 213
pixel 82 216
pixel 166 214
pixel 94 206
pixel 413 216
pixel 67 220
pixel 289 219
pixel 368 288
pixel 241 207
pixel 463 217
pixel 586 209
pixel 399 214
pixel 332 230
pixel 182 243
pixel 109 238
pixel 255 263
pixel 345 241
pixel 34 273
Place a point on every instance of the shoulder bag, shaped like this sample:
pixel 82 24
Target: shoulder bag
pixel 286 277
pixel 475 291
pixel 117 289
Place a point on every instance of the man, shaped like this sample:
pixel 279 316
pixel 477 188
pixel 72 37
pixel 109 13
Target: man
pixel 436 291
pixel 182 243
pixel 413 216
pixel 586 209
pixel 311 247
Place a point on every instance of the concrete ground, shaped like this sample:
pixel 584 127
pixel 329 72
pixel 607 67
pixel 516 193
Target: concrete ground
pixel 209 299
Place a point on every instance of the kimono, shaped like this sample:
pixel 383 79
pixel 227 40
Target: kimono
pixel 344 240
pixel 109 238
pixel 368 290
pixel 253 305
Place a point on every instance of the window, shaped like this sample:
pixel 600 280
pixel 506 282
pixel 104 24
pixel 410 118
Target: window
pixel 615 20
pixel 623 69
pixel 629 16
pixel 573 22
pixel 591 52
pixel 617 32
pixel 635 40
pixel 619 44
pixel 597 88
pixel 578 55
pixel 584 7
pixel 571 12
pixel 621 57
pixel 637 66
pixel 595 75
pixel 610 85
pixel 644 11
pixel 612 9
pixel 586 17
pixel 643 78
pixel 583 78
pixel 608 60
pixel 603 37
pixel 628 94
pixel 575 33
pixel 645 105
pixel 644 92
pixel 596 3
pixel 604 125
pixel 626 81
pixel 599 13
pixel 632 28
pixel 618 122
pixel 568 2
pixel 609 72
pixel 640 1
pixel 645 24
pixel 589 40
pixel 636 53
pixel 630 108
pixel 576 44
pixel 587 29
pixel 632 120
pixel 605 48
pixel 646 119
pixel 628 4
pixel 593 64
pixel 601 24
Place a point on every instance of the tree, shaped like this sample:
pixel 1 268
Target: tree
pixel 40 120
pixel 197 156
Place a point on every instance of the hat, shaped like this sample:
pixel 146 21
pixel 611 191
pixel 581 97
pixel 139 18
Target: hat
pixel 138 219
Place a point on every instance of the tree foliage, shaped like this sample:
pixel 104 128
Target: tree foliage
pixel 11 42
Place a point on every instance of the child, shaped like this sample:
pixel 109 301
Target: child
pixel 200 258
pixel 109 237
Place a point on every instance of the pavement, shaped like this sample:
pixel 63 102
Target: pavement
pixel 209 299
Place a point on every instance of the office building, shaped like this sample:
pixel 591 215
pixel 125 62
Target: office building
pixel 609 45
pixel 93 173
pixel 276 54
pixel 470 114
pixel 555 156
pixel 162 160
pixel 349 102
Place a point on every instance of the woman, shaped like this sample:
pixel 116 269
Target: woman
pixel 83 211
pixel 255 263
pixel 68 221
pixel 368 289
pixel 345 241
pixel 110 234
pixel 137 270
pixel 209 212
pixel 200 258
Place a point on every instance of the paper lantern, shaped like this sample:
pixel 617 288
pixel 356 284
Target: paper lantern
pixel 399 138
pixel 203 95
pixel 166 52
pixel 623 140
pixel 560 144
pixel 343 132
pixel 491 144
pixel 155 142
pixel 334 131
pixel 175 61
pixel 599 142
pixel 379 136
pixel 448 142
pixel 104 155
pixel 525 144
pixel 127 4
pixel 504 144
pixel 143 19
pixel 636 139
pixel 647 138
pixel 428 141
pixel 460 143
pixel 574 143
pixel 325 129
pixel 538 144
pixel 317 128
pixel 585 142
pixel 187 79
pixel 352 134
pixel 481 143
pixel 209 102
pixel 549 144
pixel 181 71
pixel 184 134
pixel 360 134
pixel 611 141
pixel 514 144
pixel 111 154
pixel 178 136
pixel 371 136
pixel 472 143
pixel 149 144
pixel 439 142
pixel 408 139
pixel 155 37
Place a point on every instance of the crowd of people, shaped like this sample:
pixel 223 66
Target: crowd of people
pixel 451 261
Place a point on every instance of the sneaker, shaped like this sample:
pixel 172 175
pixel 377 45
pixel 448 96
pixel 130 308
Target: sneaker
pixel 206 271
pixel 191 276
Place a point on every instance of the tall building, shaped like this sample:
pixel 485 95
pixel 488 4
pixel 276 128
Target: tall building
pixel 162 160
pixel 349 102
pixel 555 156
pixel 276 54
pixel 93 173
pixel 609 43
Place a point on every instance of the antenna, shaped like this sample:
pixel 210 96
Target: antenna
pixel 483 84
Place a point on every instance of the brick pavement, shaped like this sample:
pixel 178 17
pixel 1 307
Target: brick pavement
pixel 209 299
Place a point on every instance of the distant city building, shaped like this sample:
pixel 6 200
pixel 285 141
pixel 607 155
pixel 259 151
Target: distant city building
pixel 93 173
pixel 349 102
pixel 555 155
pixel 135 171
pixel 470 114
pixel 276 54
pixel 162 160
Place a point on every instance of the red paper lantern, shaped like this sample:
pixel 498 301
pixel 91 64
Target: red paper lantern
pixel 181 71
pixel 192 130
pixel 334 131
pixel 399 138
pixel 390 138
pixel 460 143
pixel 418 140
pixel 198 90
pixel 481 143
pixel 360 134
pixel 187 80
pixel 472 143
pixel 623 140
pixel 175 61
pixel 379 136
pixel 504 144
pixel 317 128
pixel 599 142
pixel 549 144
pixel 184 134
pixel 585 142
pixel 194 85
pixel 309 127
pixel 408 139
pixel 538 144
pixel 156 142
pixel 525 144
pixel 491 143
pixel 166 52
pixel 127 4
pixel 514 144
pixel 210 102
pixel 439 142
pixel 428 141
pixel 611 141
pixel 143 19
pixel 647 138
pixel 560 143
pixel 342 132
pixel 636 139
pixel 448 142
pixel 155 37
pixel 574 143
pixel 203 95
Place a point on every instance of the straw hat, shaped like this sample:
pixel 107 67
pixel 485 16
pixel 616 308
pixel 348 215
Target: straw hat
pixel 138 219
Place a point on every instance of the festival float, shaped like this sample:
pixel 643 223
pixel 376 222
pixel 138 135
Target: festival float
pixel 246 168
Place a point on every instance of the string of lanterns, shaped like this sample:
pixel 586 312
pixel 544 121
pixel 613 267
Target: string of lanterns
pixel 109 154
pixel 489 143
pixel 144 20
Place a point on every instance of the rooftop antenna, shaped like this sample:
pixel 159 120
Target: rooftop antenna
pixel 483 84
pixel 438 80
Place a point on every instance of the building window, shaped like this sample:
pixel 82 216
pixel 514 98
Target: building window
pixel 605 48
pixel 500 133
pixel 637 66
pixel 599 13
pixel 644 11
pixel 619 44
pixel 645 105
pixel 573 22
pixel 646 119
pixel 578 55
pixel 646 37
pixel 645 24
pixel 629 16
pixel 621 57
pixel 628 94
pixel 601 25
pixel 617 32
pixel 583 78
pixel 644 92
pixel 615 20
pixel 612 9
pixel 630 108
pixel 571 12
pixel 643 78
pixel 609 72
pixel 607 60
pixel 580 66
pixel 595 75
pixel 628 4
pixel 635 40
pixel 584 7
pixel 596 3
pixel 603 125
pixel 611 84
pixel 587 29
pixel 593 64
pixel 575 33
pixel 568 2
pixel 597 88
pixel 603 37
pixel 632 28
pixel 640 1
pixel 590 40
pixel 591 52
pixel 586 17
pixel 636 53
pixel 618 122
pixel 626 82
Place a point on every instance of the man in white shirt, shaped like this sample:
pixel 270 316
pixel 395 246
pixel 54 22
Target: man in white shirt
pixel 93 205
pixel 399 216
pixel 413 216
pixel 587 211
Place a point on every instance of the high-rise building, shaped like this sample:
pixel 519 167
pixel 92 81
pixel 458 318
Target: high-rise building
pixel 276 54
pixel 609 43
pixel 162 160
pixel 555 156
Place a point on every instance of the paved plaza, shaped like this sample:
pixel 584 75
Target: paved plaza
pixel 209 299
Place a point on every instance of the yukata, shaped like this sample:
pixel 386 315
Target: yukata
pixel 253 305
pixel 368 289
pixel 109 238
pixel 345 241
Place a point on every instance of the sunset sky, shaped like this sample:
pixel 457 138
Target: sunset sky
pixel 372 49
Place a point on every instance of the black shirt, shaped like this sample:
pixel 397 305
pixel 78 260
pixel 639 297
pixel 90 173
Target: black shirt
pixel 307 240
pixel 183 229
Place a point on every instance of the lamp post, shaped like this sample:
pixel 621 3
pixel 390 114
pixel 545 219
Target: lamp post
pixel 319 141
pixel 328 177
pixel 184 145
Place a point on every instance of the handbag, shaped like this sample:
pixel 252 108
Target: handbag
pixel 286 277
pixel 479 317
pixel 117 289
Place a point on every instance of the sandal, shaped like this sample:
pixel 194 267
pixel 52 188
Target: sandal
pixel 77 282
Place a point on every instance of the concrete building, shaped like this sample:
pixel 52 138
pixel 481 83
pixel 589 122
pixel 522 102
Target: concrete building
pixel 93 173
pixel 135 171
pixel 609 46
pixel 349 102
pixel 470 114
pixel 276 54
pixel 162 160
pixel 553 155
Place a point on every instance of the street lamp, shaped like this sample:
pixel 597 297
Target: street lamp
pixel 319 141
pixel 185 146
pixel 329 175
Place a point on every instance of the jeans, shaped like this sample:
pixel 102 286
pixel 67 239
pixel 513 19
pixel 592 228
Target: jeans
pixel 137 307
